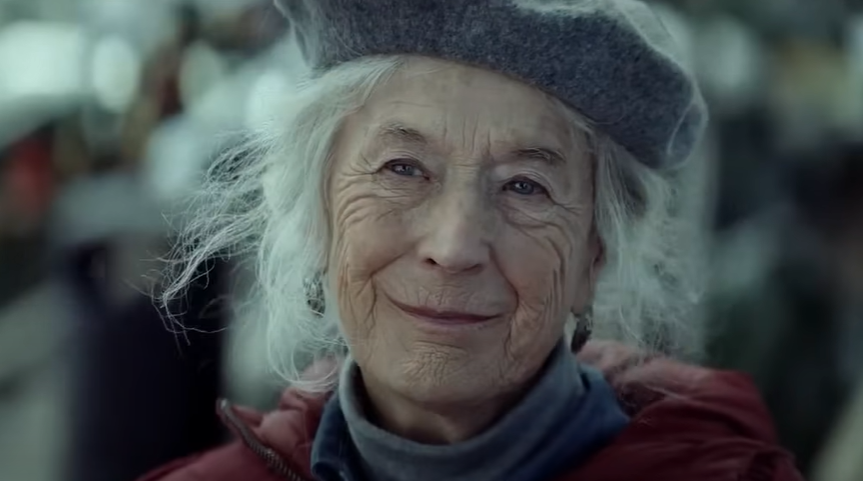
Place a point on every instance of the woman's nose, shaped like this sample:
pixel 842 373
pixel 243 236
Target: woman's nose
pixel 457 233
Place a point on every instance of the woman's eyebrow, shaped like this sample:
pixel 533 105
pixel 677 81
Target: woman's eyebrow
pixel 402 134
pixel 396 132
pixel 552 157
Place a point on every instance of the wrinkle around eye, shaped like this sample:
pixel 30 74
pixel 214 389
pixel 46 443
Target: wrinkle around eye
pixel 409 185
pixel 534 188
pixel 405 168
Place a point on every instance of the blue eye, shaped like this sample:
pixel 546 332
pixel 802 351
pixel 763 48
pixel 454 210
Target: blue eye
pixel 525 187
pixel 404 169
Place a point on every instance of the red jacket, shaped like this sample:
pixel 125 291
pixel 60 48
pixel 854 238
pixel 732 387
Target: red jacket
pixel 688 424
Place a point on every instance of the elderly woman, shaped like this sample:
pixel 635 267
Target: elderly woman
pixel 459 183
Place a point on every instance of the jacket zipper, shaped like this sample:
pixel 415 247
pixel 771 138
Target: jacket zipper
pixel 273 460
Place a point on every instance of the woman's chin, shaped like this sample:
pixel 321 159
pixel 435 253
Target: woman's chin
pixel 452 391
pixel 443 377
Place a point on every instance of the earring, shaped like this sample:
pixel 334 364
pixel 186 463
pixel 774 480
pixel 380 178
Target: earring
pixel 315 295
pixel 583 330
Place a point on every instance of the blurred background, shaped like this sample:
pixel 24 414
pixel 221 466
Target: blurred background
pixel 111 109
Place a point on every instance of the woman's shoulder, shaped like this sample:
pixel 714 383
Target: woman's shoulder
pixel 653 386
pixel 232 462
pixel 274 446
pixel 687 422
pixel 645 382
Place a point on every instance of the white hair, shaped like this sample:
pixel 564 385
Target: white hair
pixel 266 199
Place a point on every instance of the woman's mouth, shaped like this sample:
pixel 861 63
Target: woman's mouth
pixel 444 316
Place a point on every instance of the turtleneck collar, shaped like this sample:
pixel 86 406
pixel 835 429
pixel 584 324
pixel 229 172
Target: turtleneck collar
pixel 567 414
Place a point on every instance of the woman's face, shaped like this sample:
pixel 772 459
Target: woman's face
pixel 461 209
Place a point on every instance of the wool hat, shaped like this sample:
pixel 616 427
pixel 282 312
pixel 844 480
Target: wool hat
pixel 611 60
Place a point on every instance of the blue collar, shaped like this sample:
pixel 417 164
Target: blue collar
pixel 593 423
pixel 334 457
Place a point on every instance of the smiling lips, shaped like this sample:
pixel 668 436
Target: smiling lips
pixel 444 316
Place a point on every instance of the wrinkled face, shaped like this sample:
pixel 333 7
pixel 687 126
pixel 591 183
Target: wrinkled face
pixel 461 209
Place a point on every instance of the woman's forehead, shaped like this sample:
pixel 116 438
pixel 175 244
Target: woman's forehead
pixel 430 100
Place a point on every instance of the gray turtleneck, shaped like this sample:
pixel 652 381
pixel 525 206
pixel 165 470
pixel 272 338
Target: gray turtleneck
pixel 568 414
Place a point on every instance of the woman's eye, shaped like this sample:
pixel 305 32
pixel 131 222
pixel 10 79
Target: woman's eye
pixel 404 169
pixel 525 187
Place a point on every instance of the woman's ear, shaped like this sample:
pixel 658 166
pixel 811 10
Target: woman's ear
pixel 597 250
pixel 593 268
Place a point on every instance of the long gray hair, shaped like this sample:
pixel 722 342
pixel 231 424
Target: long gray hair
pixel 268 204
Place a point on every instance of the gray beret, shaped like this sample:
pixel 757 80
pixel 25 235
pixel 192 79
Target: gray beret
pixel 611 60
